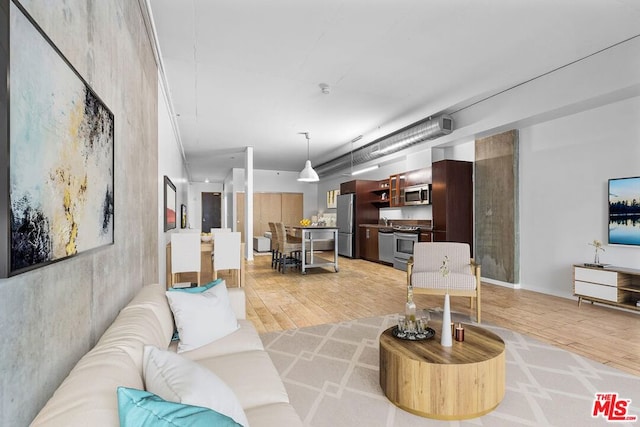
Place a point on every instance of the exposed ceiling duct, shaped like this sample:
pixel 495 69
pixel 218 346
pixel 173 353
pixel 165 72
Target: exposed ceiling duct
pixel 424 130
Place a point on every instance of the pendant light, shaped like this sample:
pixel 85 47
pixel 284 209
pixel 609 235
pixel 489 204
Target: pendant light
pixel 308 174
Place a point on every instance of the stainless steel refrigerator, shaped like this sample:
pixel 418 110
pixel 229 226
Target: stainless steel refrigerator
pixel 345 220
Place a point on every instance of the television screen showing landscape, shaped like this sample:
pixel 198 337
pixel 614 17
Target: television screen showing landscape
pixel 624 211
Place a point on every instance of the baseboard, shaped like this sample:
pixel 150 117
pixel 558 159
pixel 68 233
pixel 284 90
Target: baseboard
pixel 500 283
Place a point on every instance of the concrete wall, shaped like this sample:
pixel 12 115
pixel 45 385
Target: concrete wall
pixel 51 316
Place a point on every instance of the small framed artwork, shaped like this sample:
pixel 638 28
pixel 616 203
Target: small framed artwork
pixel 170 203
pixel 183 216
pixel 332 199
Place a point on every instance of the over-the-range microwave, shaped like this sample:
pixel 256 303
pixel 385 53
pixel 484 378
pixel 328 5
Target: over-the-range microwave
pixel 417 195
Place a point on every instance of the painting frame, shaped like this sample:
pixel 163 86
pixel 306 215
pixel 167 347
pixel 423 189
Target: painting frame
pixel 58 152
pixel 183 216
pixel 332 199
pixel 170 203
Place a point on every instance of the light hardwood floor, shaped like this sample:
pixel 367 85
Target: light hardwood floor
pixel 362 289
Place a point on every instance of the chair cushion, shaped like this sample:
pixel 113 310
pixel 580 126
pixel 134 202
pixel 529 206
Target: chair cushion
pixel 434 280
pixel 428 256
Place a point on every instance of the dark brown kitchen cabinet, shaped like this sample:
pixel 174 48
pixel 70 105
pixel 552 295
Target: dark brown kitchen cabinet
pixel 369 243
pixel 452 201
pixel 396 184
pixel 417 177
pixel 425 236
pixel 380 195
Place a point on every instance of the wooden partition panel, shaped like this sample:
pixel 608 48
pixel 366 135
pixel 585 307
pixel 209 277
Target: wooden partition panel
pixel 271 207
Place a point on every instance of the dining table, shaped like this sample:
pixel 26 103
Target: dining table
pixel 306 233
pixel 206 265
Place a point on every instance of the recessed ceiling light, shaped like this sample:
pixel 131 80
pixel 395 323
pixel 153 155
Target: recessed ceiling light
pixel 324 88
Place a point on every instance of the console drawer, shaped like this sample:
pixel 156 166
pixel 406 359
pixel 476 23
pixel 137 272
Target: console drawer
pixel 608 293
pixel 596 276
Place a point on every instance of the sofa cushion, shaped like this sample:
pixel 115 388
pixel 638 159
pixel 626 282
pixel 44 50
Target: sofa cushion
pixel 139 408
pixel 177 379
pixel 88 394
pixel 246 338
pixel 251 375
pixel 202 318
pixel 274 415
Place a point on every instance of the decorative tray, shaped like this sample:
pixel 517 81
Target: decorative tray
pixel 413 336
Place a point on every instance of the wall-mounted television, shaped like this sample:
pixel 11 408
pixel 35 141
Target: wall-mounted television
pixel 624 211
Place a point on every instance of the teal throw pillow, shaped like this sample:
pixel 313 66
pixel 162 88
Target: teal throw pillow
pixel 139 408
pixel 198 289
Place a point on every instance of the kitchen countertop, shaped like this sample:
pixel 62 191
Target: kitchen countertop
pixel 389 228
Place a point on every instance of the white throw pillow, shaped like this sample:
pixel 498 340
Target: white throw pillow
pixel 177 379
pixel 202 318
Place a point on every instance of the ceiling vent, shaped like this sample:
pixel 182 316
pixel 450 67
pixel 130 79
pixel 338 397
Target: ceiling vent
pixel 404 138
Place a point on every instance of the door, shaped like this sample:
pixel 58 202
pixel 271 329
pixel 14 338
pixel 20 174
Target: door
pixel 211 211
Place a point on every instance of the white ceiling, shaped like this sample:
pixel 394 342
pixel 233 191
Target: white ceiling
pixel 247 73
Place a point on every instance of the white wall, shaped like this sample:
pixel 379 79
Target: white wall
pixel 195 202
pixel 564 168
pixel 170 164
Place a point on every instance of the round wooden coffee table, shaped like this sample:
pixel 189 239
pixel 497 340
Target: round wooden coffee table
pixel 464 381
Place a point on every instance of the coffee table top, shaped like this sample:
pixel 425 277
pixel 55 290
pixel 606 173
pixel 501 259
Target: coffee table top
pixel 479 344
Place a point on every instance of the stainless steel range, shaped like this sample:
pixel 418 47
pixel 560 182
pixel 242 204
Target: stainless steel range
pixel 404 237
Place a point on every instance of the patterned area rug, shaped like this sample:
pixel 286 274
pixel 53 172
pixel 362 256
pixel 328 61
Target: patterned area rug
pixel 331 374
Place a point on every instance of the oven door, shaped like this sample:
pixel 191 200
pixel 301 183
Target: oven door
pixel 403 245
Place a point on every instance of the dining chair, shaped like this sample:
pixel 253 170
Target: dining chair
pixel 185 256
pixel 290 249
pixel 227 254
pixel 462 278
pixel 275 249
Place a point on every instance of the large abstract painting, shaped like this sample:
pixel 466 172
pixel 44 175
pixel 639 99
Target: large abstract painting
pixel 61 142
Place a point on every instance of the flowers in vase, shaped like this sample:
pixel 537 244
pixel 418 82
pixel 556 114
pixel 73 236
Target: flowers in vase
pixel 444 268
pixel 598 245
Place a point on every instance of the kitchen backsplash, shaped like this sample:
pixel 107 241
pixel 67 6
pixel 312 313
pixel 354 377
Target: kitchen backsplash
pixel 407 213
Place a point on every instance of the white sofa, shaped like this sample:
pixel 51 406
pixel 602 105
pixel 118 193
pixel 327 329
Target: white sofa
pixel 87 397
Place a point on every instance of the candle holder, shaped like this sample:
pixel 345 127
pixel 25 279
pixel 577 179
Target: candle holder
pixel 459 333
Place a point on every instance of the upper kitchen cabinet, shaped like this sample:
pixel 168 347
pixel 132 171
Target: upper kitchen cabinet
pixel 381 194
pixel 417 177
pixel 396 184
pixel 452 201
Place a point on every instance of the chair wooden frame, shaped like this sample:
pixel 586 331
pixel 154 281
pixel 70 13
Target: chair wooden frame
pixel 471 293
